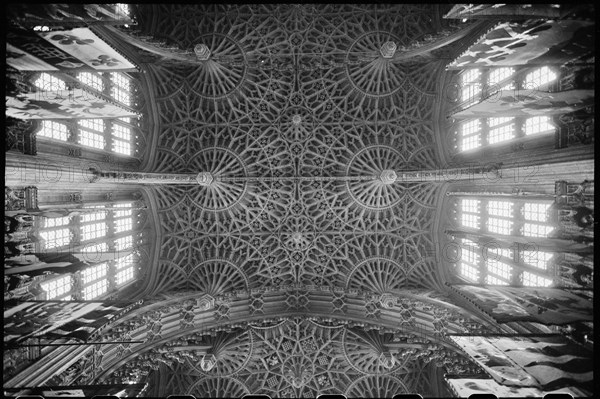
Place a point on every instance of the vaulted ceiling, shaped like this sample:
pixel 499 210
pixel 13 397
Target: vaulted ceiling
pixel 299 118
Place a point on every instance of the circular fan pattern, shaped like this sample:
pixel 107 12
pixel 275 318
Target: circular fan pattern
pixel 364 350
pixel 218 387
pixel 224 71
pixel 377 275
pixel 376 386
pixel 368 71
pixel 232 352
pixel 377 161
pixel 221 193
pixel 215 277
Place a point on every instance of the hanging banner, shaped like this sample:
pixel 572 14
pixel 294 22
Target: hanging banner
pixel 552 361
pixel 59 319
pixel 543 362
pixel 465 387
pixel 528 102
pixel 64 14
pixel 28 42
pixel 37 264
pixel 23 61
pixel 83 391
pixel 484 11
pixel 529 43
pixel 84 45
pixel 499 366
pixel 550 306
pixel 62 104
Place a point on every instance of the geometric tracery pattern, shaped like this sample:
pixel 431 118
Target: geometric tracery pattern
pixel 300 358
pixel 296 114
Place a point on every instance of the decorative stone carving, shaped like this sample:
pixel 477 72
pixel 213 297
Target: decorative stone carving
pixel 387 360
pixel 202 52
pixel 204 178
pixel 388 49
pixel 387 300
pixel 388 176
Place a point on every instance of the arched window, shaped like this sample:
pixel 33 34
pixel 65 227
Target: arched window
pixel 94 233
pixel 114 135
pixel 481 85
pixel 494 265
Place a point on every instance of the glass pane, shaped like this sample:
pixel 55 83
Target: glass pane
pixel 499 226
pixel 500 208
pixel 53 130
pixel 94 273
pixel 95 290
pixel 469 272
pixel 91 79
pixel 538 77
pixel 538 124
pixel 122 225
pixel 91 139
pixel 92 124
pixel 536 258
pixel 536 230
pixel 49 82
pixel 497 75
pixel 533 280
pixel 93 231
pixel 536 211
pixel 57 287
pixel 124 275
pixel 471 86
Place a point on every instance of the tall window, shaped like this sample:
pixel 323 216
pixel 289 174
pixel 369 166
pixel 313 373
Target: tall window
pixel 470 135
pixel 92 80
pixel 481 85
pixel 55 233
pixel 500 215
pixel 95 230
pixel 58 288
pixel 91 133
pixel 95 282
pixel 538 78
pixel 497 79
pixel 471 86
pixel 469 260
pixel 538 124
pixel 470 213
pixel 47 82
pixel 121 88
pixel 121 139
pixel 125 269
pixel 54 130
pixel 536 220
pixel 501 129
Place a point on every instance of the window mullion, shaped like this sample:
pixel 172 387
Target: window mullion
pixel 518 218
pixel 483 212
pixel 111 274
pixel 485 131
pixel 108 84
pixel 483 82
pixel 519 131
pixel 108 138
pixel 77 290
